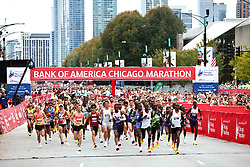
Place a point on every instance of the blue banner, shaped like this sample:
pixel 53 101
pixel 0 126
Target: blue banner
pixel 119 83
pixel 11 88
pixel 205 87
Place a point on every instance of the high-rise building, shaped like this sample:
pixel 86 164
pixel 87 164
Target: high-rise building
pixel 146 5
pixel 11 49
pixel 68 28
pixel 35 47
pixel 203 5
pixel 243 9
pixel 220 10
pixel 184 15
pixel 103 12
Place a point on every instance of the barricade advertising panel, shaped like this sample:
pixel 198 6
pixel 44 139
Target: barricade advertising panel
pixel 12 117
pixel 233 127
pixel 112 73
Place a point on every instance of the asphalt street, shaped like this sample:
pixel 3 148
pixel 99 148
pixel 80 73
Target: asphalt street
pixel 19 149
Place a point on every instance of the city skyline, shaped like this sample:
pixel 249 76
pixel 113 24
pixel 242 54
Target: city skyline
pixel 41 19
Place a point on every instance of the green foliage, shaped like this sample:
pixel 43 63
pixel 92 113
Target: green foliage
pixel 242 63
pixel 160 24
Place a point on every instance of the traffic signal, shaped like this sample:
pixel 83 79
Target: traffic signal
pixel 229 51
pixel 2 54
pixel 237 51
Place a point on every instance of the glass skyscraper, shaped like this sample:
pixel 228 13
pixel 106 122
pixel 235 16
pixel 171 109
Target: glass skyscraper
pixel 220 10
pixel 68 28
pixel 103 12
pixel 146 5
pixel 184 15
pixel 203 5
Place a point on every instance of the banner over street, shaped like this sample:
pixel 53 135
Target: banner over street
pixel 112 73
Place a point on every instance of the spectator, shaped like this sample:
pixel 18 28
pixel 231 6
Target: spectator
pixel 3 101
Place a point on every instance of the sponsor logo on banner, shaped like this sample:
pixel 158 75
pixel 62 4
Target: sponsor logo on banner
pixel 200 73
pixel 207 74
pixel 199 125
pixel 211 127
pixel 224 127
pixel 240 129
pixel 14 75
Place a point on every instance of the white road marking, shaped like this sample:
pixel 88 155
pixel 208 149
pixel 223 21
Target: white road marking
pixel 200 162
pixel 81 164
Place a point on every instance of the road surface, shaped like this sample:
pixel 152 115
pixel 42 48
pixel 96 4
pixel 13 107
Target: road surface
pixel 18 149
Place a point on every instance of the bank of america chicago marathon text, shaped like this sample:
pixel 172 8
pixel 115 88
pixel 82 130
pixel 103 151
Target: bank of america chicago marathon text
pixel 113 74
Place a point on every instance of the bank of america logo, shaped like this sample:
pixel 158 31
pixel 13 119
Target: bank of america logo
pixel 11 74
pixel 200 73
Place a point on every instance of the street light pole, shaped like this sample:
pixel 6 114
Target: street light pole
pixel 169 56
pixel 205 37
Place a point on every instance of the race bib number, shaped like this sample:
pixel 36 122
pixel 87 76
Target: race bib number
pixel 94 120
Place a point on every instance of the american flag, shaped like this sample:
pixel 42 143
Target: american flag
pixel 213 62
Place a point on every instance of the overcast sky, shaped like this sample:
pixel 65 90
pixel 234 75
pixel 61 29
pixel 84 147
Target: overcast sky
pixel 36 14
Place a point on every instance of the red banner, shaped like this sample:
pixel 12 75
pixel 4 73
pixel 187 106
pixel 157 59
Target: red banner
pixel 112 73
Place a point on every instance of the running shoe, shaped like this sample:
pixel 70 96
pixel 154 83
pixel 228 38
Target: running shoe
pixel 31 131
pixel 142 141
pixel 184 141
pixel 95 145
pixel 166 137
pixel 194 143
pixel 153 146
pixel 46 142
pixel 50 139
pixel 66 139
pixel 133 142
pixel 168 144
pixel 101 141
pixel 136 143
pixel 126 137
pixel 105 144
pixel 117 148
pixel 68 131
pixel 83 137
pixel 119 144
pixel 172 146
pixel 161 139
pixel 177 152
pixel 149 150
pixel 140 150
pixel 62 142
pixel 79 149
pixel 157 145
pixel 40 145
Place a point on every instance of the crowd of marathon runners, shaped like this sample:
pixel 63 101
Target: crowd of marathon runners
pixel 137 114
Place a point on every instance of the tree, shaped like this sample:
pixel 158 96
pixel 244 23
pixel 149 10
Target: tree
pixel 126 26
pixel 242 64
pixel 160 24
